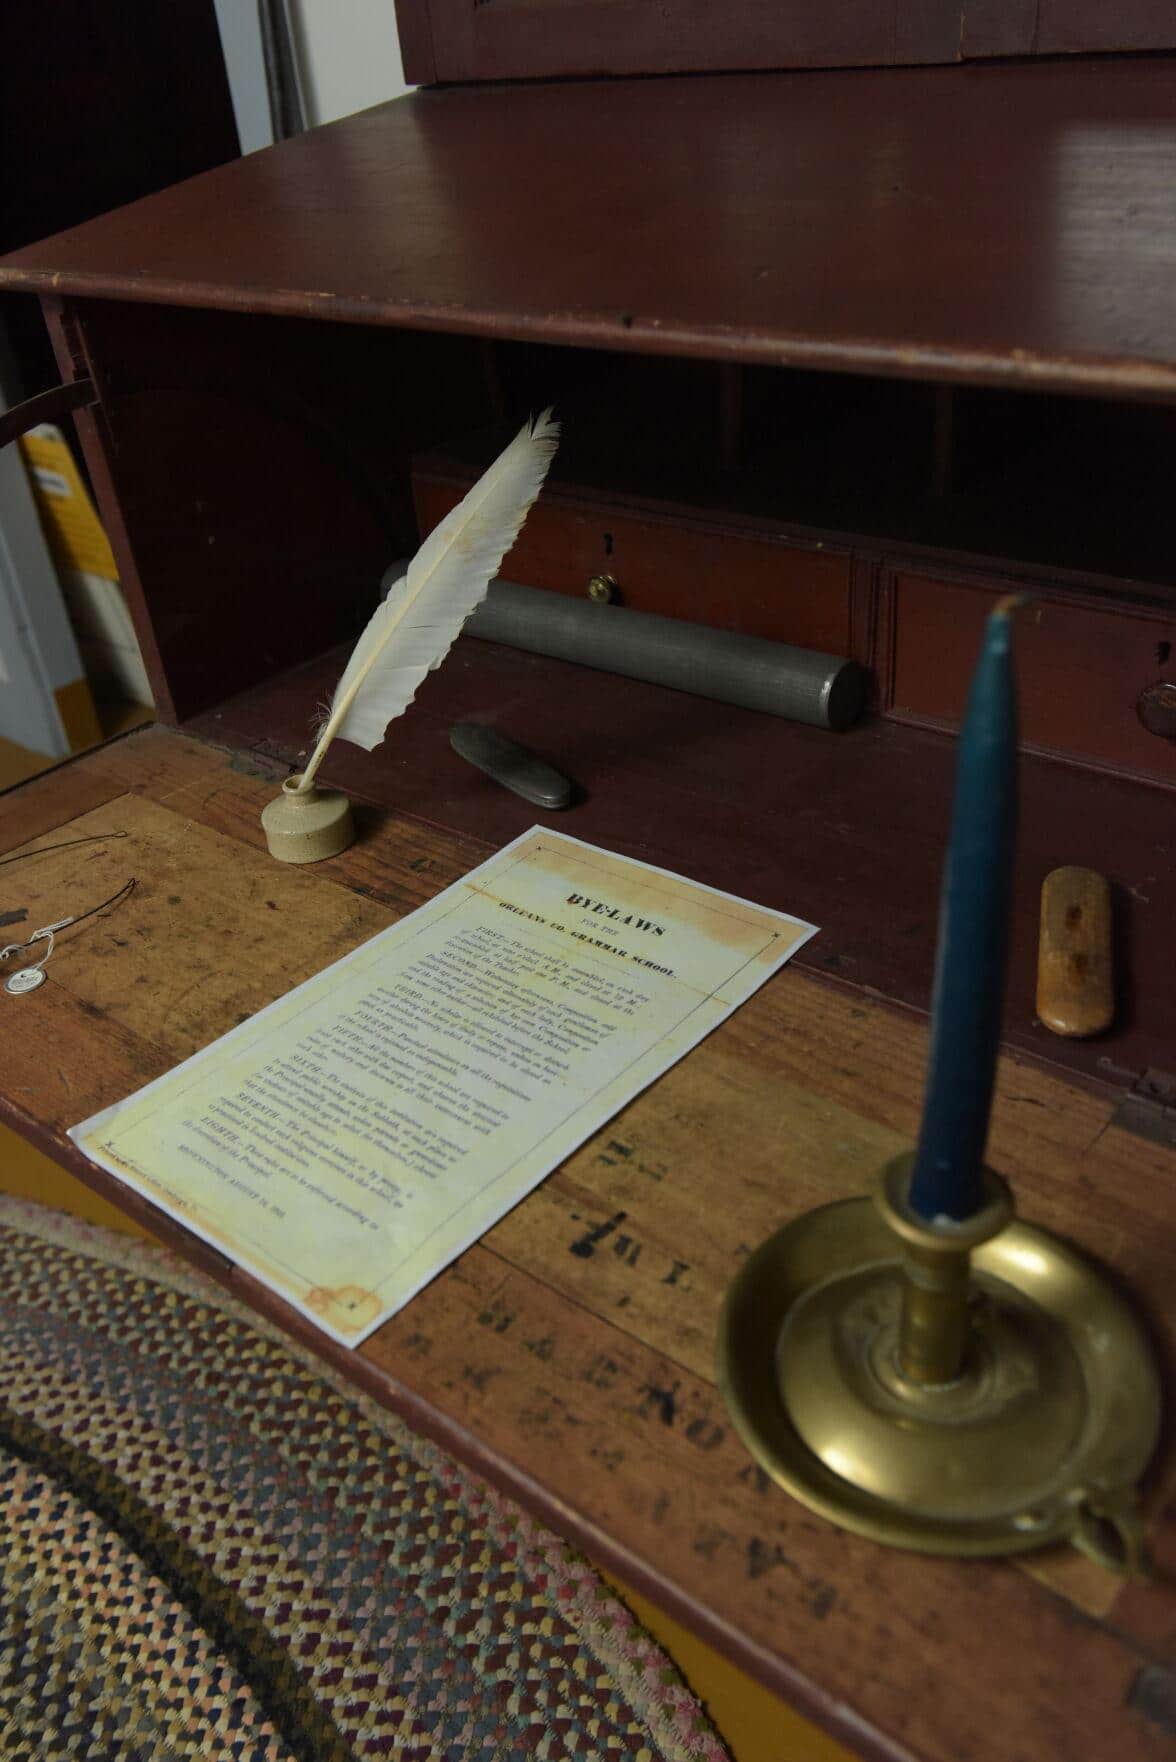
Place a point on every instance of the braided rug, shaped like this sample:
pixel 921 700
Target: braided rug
pixel 210 1548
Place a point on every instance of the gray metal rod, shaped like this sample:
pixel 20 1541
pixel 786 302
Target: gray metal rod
pixel 827 691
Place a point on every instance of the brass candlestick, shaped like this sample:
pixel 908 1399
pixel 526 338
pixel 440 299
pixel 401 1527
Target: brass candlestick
pixel 956 1388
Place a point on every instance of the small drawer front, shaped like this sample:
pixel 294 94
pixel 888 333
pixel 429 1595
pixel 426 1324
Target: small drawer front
pixel 1086 673
pixel 679 567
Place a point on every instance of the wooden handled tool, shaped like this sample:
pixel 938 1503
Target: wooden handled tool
pixel 1075 972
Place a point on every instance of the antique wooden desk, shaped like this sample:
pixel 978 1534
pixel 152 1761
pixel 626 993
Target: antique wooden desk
pixel 909 333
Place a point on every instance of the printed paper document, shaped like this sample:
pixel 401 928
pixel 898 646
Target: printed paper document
pixel 348 1141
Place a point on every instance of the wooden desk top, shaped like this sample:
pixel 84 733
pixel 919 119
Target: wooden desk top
pixel 988 224
pixel 568 1356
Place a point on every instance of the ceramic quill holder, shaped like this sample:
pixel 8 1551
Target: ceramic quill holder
pixel 919 1365
pixel 306 825
pixel 410 634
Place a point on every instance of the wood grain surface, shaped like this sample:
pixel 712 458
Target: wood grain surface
pixel 569 1354
pixel 990 224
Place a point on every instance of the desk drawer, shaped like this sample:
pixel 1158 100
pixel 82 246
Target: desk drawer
pixel 679 565
pixel 1082 666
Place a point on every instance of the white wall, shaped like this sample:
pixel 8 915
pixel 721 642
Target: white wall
pixel 347 51
pixel 348 55
pixel 240 35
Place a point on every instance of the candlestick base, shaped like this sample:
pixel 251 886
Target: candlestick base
pixel 1040 1432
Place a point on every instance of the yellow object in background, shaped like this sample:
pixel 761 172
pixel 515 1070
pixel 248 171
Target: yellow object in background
pixel 76 536
pixel 27 1174
pixel 85 563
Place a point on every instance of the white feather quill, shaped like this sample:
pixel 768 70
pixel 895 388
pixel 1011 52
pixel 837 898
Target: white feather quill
pixel 414 628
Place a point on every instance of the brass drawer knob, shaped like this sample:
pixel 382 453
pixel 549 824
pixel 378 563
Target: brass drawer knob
pixel 1156 709
pixel 602 589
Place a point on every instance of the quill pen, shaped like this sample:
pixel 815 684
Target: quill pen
pixel 413 629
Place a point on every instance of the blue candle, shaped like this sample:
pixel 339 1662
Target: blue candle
pixel 973 934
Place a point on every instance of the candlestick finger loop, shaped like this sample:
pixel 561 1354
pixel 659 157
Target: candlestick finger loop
pixel 1109 1530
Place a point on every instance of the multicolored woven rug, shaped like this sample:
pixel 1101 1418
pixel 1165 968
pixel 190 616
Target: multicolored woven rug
pixel 209 1548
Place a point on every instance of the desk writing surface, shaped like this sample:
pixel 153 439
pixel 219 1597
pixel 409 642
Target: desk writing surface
pixel 1000 225
pixel 568 1355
